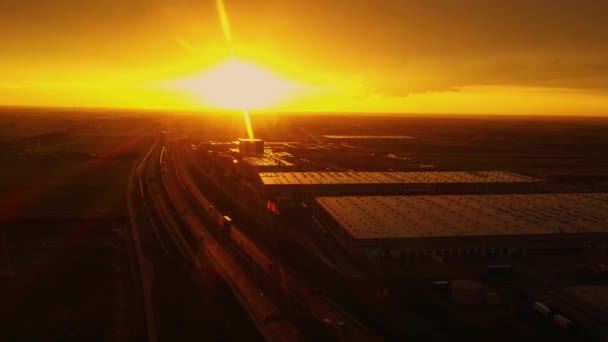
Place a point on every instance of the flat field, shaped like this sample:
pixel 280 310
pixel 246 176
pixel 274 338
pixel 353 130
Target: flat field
pixel 72 162
pixel 64 265
pixel 540 146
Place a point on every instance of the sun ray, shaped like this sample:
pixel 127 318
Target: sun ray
pixel 248 124
pixel 183 43
pixel 221 8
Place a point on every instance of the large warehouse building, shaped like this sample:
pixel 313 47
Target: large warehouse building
pixel 289 185
pixel 465 225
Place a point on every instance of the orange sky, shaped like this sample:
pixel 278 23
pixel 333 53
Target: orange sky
pixel 508 57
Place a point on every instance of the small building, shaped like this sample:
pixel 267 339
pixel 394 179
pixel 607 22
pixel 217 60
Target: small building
pixel 251 147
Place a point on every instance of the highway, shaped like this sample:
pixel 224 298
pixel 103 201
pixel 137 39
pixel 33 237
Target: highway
pixel 338 323
pixel 141 267
pixel 180 304
pixel 251 294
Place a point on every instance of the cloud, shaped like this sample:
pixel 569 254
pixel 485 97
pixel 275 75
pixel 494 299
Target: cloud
pixel 450 77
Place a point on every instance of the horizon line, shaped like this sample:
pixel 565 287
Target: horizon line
pixel 294 112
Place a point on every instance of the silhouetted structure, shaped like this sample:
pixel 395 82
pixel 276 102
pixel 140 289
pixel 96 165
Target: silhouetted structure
pixel 251 147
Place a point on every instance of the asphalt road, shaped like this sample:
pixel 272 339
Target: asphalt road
pixel 179 307
pixel 253 297
pixel 323 309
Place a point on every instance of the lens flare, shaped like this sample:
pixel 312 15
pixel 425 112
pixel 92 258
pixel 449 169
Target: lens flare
pixel 221 9
pixel 248 123
pixel 186 45
pixel 237 85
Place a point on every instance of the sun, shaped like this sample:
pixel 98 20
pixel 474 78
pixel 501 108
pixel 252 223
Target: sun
pixel 237 85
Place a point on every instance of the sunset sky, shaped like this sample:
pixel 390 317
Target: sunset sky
pixel 503 56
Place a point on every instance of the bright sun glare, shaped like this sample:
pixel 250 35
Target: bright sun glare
pixel 237 85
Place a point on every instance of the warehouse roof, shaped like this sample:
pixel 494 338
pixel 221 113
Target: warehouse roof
pixel 309 178
pixel 380 217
